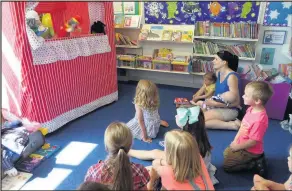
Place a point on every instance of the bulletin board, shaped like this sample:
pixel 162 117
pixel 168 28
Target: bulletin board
pixel 278 14
pixel 189 12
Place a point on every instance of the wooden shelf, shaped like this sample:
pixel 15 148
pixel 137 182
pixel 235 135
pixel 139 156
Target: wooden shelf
pixel 166 41
pixel 225 38
pixel 128 46
pixel 212 56
pixel 126 28
pixel 163 71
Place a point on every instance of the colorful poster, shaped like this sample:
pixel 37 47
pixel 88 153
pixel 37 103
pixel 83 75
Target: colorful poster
pixel 278 14
pixel 129 8
pixel 267 56
pixel 189 12
pixel 118 8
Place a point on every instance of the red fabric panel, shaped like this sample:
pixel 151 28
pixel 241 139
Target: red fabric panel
pixel 81 9
pixel 62 12
pixel 50 90
pixel 50 7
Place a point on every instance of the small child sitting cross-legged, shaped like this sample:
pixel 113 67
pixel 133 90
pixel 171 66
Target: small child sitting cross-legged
pixel 246 152
pixel 207 90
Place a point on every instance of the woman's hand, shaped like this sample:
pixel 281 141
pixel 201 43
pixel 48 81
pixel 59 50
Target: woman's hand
pixel 210 102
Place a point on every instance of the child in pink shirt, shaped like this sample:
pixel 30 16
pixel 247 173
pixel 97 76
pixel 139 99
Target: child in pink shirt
pixel 185 169
pixel 246 151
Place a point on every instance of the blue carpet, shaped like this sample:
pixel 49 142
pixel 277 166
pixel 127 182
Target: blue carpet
pixel 90 129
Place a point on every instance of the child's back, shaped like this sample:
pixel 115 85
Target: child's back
pixel 151 121
pixel 145 125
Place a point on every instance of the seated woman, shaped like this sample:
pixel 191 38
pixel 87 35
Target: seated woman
pixel 222 115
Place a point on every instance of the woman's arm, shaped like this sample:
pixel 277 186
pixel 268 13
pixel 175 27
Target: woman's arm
pixel 233 88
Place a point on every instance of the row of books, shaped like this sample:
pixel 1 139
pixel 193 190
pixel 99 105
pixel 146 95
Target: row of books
pixel 124 40
pixel 231 30
pixel 209 48
pixel 255 72
pixel 127 21
pixel 204 66
pixel 158 34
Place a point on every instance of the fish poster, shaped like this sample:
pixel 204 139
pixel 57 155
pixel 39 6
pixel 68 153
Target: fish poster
pixel 181 12
pixel 267 56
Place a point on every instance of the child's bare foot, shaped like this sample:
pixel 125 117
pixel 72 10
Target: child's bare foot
pixel 235 124
pixel 192 102
pixel 164 123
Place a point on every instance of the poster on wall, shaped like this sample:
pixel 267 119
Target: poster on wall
pixel 178 12
pixel 274 37
pixel 278 14
pixel 267 56
pixel 126 8
pixel 118 8
pixel 129 8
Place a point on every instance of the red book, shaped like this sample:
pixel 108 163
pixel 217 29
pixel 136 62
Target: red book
pixel 181 101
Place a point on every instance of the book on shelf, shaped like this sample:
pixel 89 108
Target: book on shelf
pixel 204 66
pixel 166 35
pixel 119 21
pixel 15 182
pixel 124 40
pixel 231 30
pixel 209 48
pixel 143 34
pixel 187 36
pixel 176 35
pixel 155 33
pixel 132 21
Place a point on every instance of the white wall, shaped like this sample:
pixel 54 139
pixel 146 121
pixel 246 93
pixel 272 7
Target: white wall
pixel 280 57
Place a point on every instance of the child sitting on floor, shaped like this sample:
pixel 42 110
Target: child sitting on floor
pixel 207 90
pixel 117 172
pixel 262 184
pixel 146 123
pixel 185 168
pixel 190 120
pixel 92 186
pixel 246 152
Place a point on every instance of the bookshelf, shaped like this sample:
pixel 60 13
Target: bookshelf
pixel 163 71
pixel 166 41
pixel 226 38
pixel 128 46
pixel 212 56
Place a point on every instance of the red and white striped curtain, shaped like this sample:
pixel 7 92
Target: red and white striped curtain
pixel 52 94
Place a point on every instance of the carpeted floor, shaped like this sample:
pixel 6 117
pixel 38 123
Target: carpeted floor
pixel 82 144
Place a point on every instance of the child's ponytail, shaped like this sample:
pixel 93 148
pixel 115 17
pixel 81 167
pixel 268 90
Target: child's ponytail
pixel 118 141
pixel 122 172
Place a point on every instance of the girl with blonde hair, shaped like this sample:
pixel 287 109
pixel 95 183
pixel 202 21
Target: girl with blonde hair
pixel 117 171
pixel 185 169
pixel 145 125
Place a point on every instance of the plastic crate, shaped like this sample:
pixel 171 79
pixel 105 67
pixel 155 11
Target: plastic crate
pixel 144 62
pixel 126 61
pixel 161 65
pixel 180 64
